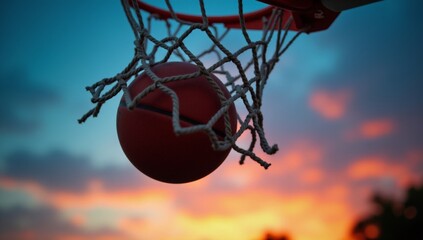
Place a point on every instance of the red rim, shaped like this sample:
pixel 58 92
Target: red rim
pixel 229 21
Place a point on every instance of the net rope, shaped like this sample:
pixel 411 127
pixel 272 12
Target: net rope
pixel 245 83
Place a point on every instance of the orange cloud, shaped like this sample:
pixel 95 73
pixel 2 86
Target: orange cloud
pixel 311 176
pixel 414 156
pixel 230 204
pixel 249 214
pixel 376 128
pixel 298 158
pixel 302 159
pixel 34 193
pixel 10 183
pixel 243 214
pixel 380 167
pixel 239 176
pixel 78 220
pixel 331 105
pixel 99 197
pixel 160 212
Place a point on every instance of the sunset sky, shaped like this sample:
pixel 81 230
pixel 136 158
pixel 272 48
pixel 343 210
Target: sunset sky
pixel 345 107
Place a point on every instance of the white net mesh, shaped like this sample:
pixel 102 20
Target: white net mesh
pixel 244 79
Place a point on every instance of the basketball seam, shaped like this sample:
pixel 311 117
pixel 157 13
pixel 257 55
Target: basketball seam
pixel 169 114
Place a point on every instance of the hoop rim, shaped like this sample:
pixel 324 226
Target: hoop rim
pixel 231 21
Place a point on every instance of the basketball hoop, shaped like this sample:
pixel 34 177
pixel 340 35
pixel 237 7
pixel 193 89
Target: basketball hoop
pixel 244 80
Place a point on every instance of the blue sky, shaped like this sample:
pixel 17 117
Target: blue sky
pixel 368 66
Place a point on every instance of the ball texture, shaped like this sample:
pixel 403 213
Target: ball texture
pixel 146 132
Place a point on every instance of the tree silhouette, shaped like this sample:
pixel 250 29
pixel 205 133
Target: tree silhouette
pixel 272 236
pixel 393 220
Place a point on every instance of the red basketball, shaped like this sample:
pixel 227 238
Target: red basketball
pixel 146 133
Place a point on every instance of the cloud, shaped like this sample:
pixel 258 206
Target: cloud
pixel 297 159
pixel 213 215
pixel 282 199
pixel 191 211
pixel 61 171
pixel 383 168
pixel 22 99
pixel 381 67
pixel 376 128
pixel 297 167
pixel 331 105
pixel 252 212
pixel 311 176
pixel 46 223
pixel 372 129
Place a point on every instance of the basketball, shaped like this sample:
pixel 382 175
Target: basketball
pixel 146 133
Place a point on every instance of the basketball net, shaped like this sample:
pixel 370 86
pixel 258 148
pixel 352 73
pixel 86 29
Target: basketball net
pixel 245 80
